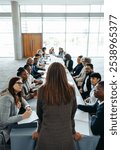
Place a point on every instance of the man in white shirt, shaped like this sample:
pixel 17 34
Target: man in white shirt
pixel 31 80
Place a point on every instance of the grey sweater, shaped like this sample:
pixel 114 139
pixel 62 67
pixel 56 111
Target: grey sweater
pixel 8 113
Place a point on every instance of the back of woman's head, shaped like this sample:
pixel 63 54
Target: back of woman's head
pixel 11 84
pixel 56 87
pixel 56 73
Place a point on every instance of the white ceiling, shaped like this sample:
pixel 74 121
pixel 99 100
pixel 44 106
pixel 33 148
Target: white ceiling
pixel 55 2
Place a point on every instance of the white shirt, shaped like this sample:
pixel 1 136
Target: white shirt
pixel 30 80
pixel 92 98
pixel 100 103
pixel 85 84
pixel 67 62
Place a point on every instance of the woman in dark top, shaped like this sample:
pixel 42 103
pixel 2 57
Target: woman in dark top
pixel 56 107
pixel 68 62
pixel 78 67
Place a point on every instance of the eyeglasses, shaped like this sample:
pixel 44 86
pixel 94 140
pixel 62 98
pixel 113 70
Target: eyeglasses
pixel 20 83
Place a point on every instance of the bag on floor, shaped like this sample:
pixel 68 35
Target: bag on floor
pixel 3 145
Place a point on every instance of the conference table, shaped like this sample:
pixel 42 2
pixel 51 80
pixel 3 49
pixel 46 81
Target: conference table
pixel 21 138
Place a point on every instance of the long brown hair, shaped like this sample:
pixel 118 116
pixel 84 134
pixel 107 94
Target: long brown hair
pixel 12 91
pixel 56 89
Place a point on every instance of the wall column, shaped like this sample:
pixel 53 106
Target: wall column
pixel 18 51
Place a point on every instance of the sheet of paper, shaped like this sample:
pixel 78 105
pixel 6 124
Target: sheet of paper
pixel 32 118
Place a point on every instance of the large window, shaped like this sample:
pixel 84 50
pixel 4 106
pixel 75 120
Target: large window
pixel 76 44
pixel 54 33
pixel 30 8
pixel 77 8
pixel 96 39
pixel 6 38
pixel 55 40
pixel 78 29
pixel 6 33
pixel 53 25
pixel 54 8
pixel 76 36
pixel 77 25
pixel 31 24
pixel 5 8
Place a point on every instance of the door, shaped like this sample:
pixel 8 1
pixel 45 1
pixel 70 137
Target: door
pixel 31 43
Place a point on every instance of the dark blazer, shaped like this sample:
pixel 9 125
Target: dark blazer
pixel 34 72
pixel 88 85
pixel 70 65
pixel 97 126
pixel 97 121
pixel 89 108
pixel 77 70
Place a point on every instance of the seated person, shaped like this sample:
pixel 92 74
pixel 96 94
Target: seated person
pixel 29 61
pixel 27 92
pixel 68 62
pixel 80 78
pixel 95 77
pixel 51 51
pixel 39 51
pixel 31 80
pixel 40 63
pixel 10 103
pixel 35 69
pixel 97 120
pixel 61 53
pixel 78 67
pixel 86 85
pixel 44 51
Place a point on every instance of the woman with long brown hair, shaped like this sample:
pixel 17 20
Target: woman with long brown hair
pixel 56 107
pixel 10 104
